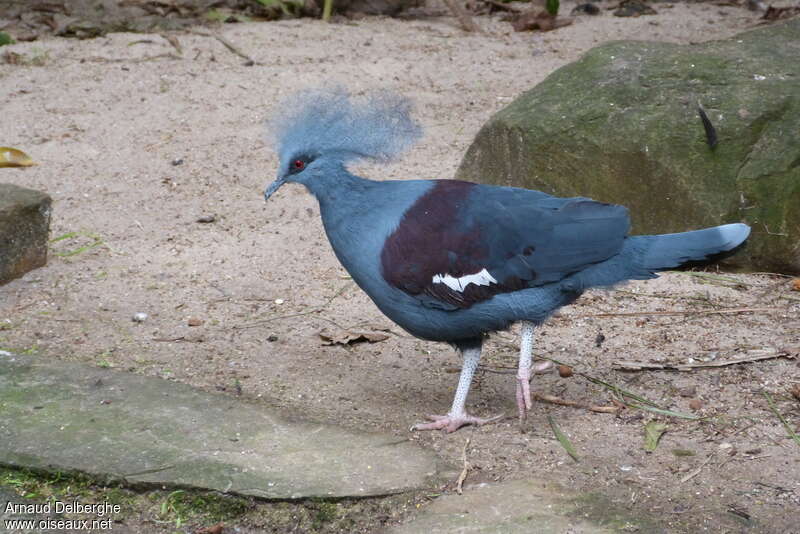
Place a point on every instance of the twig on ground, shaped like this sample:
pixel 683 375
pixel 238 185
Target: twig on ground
pixel 758 355
pixel 651 295
pixel 543 397
pixel 715 279
pixel 696 472
pixel 786 425
pixel 503 7
pixel 501 369
pixel 644 404
pixel 298 314
pixel 229 45
pixel 722 311
pixel 463 476
pixel 173 41
pixel 464 18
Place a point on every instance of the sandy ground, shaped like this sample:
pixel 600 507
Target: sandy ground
pixel 135 144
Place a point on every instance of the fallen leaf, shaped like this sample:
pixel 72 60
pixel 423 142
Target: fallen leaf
pixel 213 529
pixel 633 8
pixel 538 20
pixel 652 433
pixel 12 157
pixel 588 8
pixel 796 284
pixel 348 337
pixel 795 391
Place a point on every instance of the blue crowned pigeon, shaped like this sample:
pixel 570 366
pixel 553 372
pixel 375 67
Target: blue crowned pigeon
pixel 449 260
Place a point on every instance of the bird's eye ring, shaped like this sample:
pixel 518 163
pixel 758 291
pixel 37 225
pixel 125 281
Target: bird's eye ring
pixel 299 164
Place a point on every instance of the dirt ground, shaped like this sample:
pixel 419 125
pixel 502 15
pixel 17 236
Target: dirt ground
pixel 136 142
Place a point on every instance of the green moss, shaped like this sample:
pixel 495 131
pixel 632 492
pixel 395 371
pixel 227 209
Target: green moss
pixel 183 506
pixel 598 509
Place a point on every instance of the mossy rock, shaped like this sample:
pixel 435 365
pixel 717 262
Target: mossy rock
pixel 621 125
pixel 24 230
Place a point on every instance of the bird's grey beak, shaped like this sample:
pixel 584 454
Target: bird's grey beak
pixel 273 187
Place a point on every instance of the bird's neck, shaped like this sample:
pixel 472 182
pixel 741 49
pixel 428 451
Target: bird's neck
pixel 338 191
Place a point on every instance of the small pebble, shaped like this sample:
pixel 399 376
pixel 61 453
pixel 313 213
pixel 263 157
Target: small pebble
pixel 598 341
pixel 207 219
pixel 588 8
pixel 690 391
pixel 564 371
pixel 194 321
pixel 279 301
pixel 139 317
pixel 177 161
pixel 272 337
pixel 695 404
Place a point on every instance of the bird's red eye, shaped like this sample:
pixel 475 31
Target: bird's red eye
pixel 299 164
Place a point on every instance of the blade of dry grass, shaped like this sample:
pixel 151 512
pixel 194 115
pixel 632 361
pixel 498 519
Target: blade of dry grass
pixel 786 425
pixel 715 279
pixel 563 439
pixel 643 403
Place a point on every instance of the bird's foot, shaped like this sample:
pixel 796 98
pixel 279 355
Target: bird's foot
pixel 524 387
pixel 523 393
pixel 451 423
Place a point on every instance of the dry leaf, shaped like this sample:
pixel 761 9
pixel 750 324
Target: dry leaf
pixel 213 529
pixel 348 337
pixel 796 284
pixel 538 20
pixel 633 8
pixel 11 157
pixel 652 434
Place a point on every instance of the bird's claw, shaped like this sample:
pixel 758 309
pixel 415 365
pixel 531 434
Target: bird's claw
pixel 451 423
pixel 524 387
pixel 523 396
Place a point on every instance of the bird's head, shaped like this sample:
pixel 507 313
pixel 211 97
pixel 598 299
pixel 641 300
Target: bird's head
pixel 317 132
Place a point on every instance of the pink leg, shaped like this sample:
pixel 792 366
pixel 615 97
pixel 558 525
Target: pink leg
pixel 458 416
pixel 524 371
pixel 524 387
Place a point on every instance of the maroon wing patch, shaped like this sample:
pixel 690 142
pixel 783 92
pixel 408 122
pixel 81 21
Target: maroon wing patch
pixel 431 240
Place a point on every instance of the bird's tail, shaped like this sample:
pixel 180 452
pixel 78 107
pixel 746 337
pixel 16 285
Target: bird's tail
pixel 666 251
pixel 644 255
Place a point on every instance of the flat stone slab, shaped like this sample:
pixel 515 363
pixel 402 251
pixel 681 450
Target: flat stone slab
pixel 142 431
pixel 24 230
pixel 523 507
